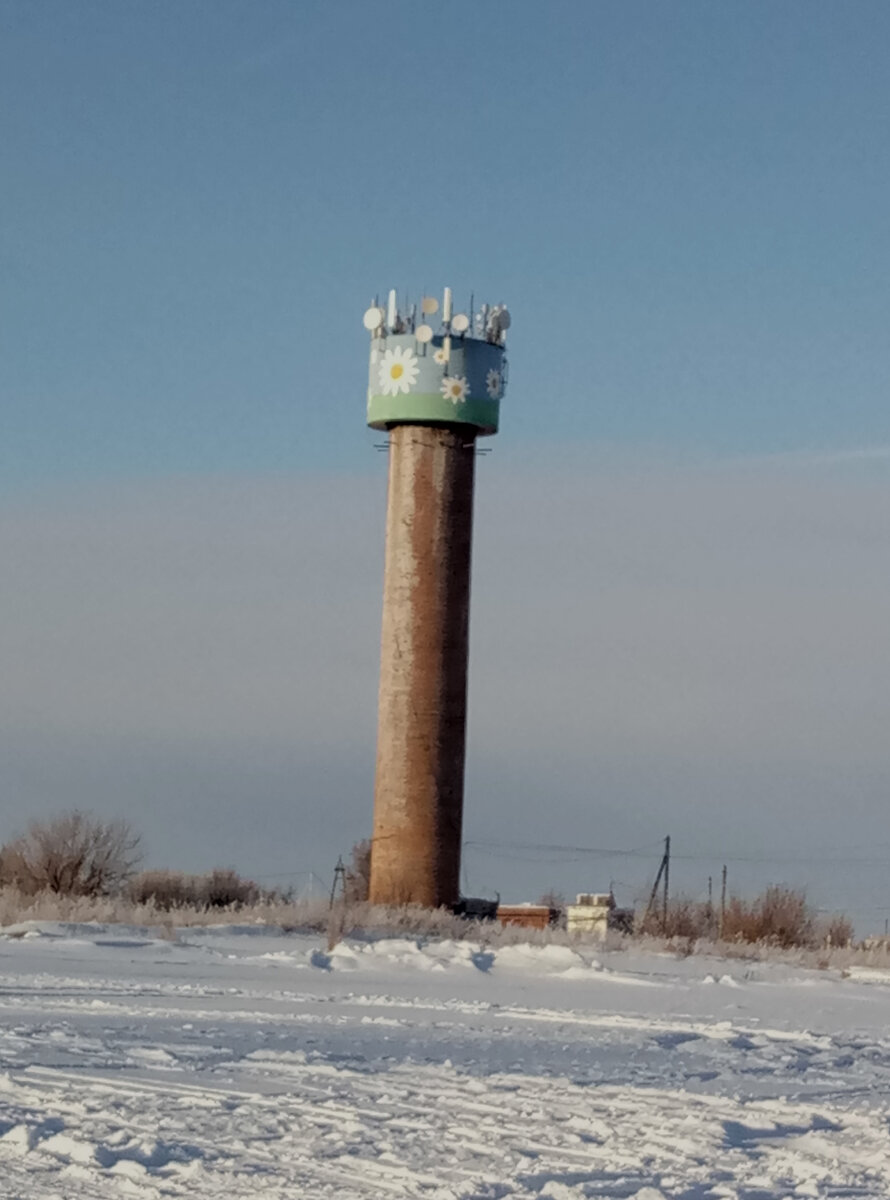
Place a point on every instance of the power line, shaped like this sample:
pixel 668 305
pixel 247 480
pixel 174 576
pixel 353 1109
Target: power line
pixel 638 852
pixel 531 851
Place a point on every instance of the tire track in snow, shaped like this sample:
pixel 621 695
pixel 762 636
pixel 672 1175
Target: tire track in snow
pixel 350 1136
pixel 237 1113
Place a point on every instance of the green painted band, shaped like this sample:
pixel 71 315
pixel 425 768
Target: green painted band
pixel 422 407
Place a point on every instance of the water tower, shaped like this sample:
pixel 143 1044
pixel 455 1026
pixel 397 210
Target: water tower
pixel 436 382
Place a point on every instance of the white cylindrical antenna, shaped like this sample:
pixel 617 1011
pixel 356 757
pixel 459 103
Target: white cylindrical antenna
pixel 446 306
pixel 391 309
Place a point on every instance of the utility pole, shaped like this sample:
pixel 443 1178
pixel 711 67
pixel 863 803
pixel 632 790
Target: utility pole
pixel 723 901
pixel 339 877
pixel 710 906
pixel 663 868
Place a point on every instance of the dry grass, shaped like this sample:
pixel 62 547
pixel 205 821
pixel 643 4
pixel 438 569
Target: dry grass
pixel 305 916
pixel 16 907
pixel 872 953
pixel 368 921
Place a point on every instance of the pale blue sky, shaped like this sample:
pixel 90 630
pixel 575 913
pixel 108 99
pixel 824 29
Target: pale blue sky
pixel 684 204
pixel 680 583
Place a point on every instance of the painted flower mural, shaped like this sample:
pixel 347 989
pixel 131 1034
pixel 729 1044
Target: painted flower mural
pixel 398 371
pixel 455 388
pixel 494 384
pixel 440 356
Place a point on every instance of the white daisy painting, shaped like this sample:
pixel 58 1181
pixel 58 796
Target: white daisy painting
pixel 440 356
pixel 398 371
pixel 494 384
pixel 455 388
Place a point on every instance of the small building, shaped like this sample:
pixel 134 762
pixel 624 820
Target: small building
pixel 531 916
pixel 590 913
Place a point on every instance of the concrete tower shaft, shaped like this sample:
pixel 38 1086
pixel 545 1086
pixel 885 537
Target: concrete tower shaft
pixel 418 803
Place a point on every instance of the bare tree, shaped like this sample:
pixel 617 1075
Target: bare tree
pixel 358 873
pixel 553 899
pixel 74 854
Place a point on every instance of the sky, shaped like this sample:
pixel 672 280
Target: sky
pixel 679 610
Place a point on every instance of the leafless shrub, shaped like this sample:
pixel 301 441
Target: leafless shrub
pixel 164 889
pixel 74 854
pixel 684 919
pixel 554 900
pixel 222 887
pixel 12 867
pixel 837 931
pixel 780 916
pixel 358 873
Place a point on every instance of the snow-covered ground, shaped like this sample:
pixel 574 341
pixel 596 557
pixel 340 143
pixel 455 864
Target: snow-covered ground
pixel 244 1063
